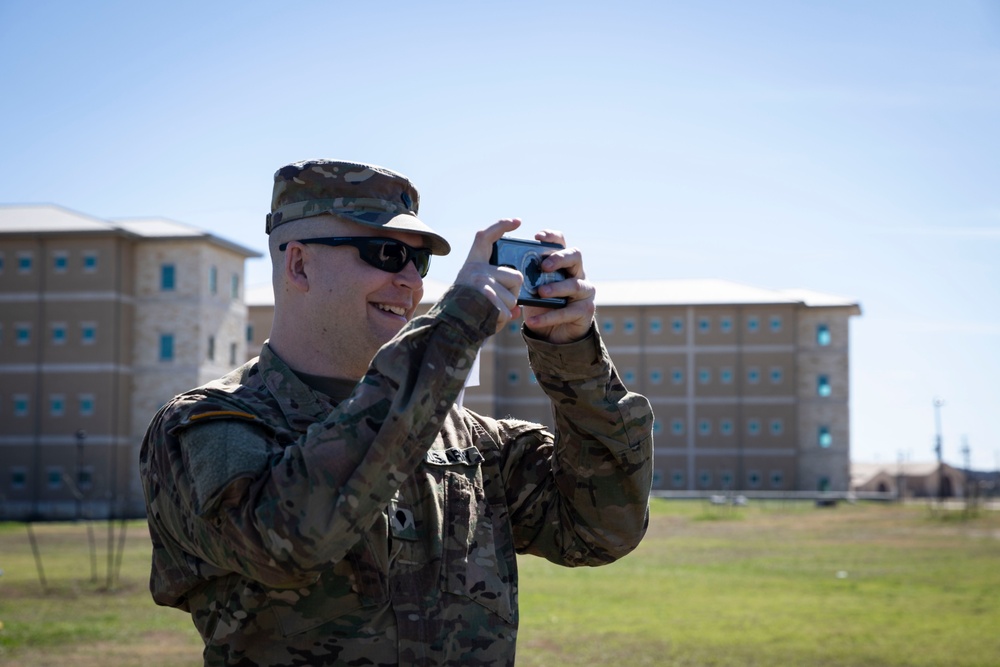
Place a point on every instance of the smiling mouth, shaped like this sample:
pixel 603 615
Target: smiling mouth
pixel 395 310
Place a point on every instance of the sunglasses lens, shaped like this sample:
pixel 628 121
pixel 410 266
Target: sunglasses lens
pixel 422 260
pixel 391 255
pixel 388 255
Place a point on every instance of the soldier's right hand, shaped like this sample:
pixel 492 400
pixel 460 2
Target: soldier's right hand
pixel 499 284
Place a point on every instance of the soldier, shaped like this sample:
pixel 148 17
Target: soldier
pixel 329 503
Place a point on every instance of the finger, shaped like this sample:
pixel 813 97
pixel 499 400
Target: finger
pixel 569 260
pixel 576 315
pixel 482 245
pixel 551 236
pixel 572 289
pixel 510 278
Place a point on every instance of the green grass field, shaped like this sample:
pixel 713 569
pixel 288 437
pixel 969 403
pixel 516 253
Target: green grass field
pixel 771 584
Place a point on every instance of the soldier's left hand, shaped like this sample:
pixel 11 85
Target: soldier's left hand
pixel 572 323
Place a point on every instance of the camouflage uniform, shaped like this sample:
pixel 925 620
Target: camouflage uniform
pixel 383 530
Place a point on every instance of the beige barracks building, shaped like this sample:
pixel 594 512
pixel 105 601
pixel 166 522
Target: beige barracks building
pixel 100 323
pixel 750 387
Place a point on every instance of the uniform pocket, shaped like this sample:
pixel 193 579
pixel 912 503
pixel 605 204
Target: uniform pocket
pixel 475 563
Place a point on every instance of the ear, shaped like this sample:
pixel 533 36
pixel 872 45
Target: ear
pixel 295 266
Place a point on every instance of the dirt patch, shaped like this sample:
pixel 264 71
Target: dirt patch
pixel 160 648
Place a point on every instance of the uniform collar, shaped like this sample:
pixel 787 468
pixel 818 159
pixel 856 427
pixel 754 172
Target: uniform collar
pixel 301 405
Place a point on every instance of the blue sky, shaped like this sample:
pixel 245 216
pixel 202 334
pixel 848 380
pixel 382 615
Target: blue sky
pixel 849 147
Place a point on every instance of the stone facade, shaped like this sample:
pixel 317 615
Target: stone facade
pixel 84 307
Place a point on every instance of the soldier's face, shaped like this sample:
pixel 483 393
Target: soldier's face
pixel 361 307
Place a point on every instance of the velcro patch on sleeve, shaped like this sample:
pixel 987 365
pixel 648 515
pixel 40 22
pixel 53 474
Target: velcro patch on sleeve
pixel 218 452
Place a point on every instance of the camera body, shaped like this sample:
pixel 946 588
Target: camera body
pixel 526 257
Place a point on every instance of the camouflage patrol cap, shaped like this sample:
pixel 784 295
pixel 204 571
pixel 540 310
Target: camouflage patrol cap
pixel 361 193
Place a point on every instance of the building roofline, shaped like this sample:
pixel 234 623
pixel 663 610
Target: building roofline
pixel 165 229
pixel 53 219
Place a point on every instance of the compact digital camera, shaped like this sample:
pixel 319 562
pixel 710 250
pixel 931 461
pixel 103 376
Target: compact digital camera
pixel 526 257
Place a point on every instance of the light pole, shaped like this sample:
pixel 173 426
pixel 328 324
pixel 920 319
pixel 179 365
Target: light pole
pixel 81 439
pixel 938 404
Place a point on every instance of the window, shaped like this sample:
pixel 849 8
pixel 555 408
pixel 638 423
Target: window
pixel 677 426
pixel 55 477
pixel 167 277
pixel 57 405
pixel 753 375
pixel 822 334
pixel 677 376
pixel 726 376
pixel 656 376
pixel 608 325
pixel 753 426
pixel 211 348
pixel 705 479
pixel 234 290
pixel 704 325
pixel 725 324
pixel 727 479
pixel 513 377
pixel 657 427
pixel 777 375
pixel 58 333
pixel 24 261
pixel 249 333
pixel 775 323
pixel 513 327
pixel 677 324
pixel 90 262
pixel 753 324
pixel 85 478
pixel 86 405
pixel 824 437
pixel 629 325
pixel 628 376
pixel 88 333
pixel 823 385
pixel 677 479
pixel 753 479
pixel 704 375
pixel 704 427
pixel 824 484
pixel 166 347
pixel 20 405
pixel 777 479
pixel 656 325
pixel 23 333
pixel 18 478
pixel 726 427
pixel 1 262
pixel 777 427
pixel 60 261
pixel 232 354
pixel 213 280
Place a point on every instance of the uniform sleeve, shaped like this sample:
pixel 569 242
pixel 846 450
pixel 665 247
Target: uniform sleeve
pixel 580 496
pixel 280 520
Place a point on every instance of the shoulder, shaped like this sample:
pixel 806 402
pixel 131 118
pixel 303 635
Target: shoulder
pixel 237 396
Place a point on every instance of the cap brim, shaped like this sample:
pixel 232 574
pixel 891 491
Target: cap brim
pixel 404 222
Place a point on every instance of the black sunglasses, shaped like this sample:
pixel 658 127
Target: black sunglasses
pixel 382 253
